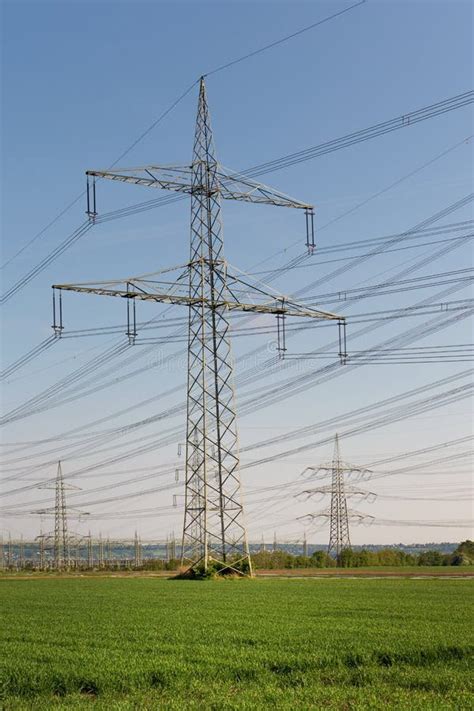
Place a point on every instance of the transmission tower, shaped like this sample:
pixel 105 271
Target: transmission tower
pixel 62 539
pixel 213 530
pixel 90 552
pixel 137 551
pixel 21 557
pixel 338 513
pixel 42 560
pixel 9 553
pixel 101 552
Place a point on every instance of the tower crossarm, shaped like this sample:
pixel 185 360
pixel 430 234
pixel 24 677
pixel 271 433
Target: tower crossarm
pixel 343 467
pixel 226 183
pixel 355 516
pixel 284 307
pixel 175 178
pixel 348 490
pixel 234 186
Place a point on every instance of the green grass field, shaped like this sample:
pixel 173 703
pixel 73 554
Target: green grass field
pixel 118 643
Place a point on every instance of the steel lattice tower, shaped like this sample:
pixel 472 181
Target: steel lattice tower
pixel 61 538
pixel 214 530
pixel 339 537
pixel 213 507
pixel 62 557
pixel 338 513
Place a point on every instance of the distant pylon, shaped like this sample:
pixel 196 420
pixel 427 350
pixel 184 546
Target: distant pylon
pixel 338 513
pixel 41 551
pixel 9 552
pixel 101 551
pixel 90 552
pixel 62 558
pixel 61 537
pixel 339 537
pixel 305 546
pixel 21 560
pixel 2 555
pixel 137 551
pixel 274 542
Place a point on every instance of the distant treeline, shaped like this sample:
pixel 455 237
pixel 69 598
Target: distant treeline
pixel 463 555
pixel 280 559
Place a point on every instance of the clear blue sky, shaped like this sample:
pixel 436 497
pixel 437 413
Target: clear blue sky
pixel 82 80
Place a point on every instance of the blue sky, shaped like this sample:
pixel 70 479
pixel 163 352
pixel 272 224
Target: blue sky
pixel 82 80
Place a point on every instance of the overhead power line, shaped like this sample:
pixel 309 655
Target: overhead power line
pixel 307 154
pixel 167 111
pixel 283 39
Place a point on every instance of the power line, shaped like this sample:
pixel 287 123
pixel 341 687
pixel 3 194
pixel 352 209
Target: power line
pixel 283 39
pixel 264 168
pixel 165 113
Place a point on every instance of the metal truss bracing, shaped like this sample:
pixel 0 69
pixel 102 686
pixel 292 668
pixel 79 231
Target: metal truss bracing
pixel 214 533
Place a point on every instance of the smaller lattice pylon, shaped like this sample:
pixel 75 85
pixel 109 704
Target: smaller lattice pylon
pixel 62 538
pixel 42 559
pixel 101 552
pixel 137 551
pixel 338 512
pixel 21 555
pixel 90 552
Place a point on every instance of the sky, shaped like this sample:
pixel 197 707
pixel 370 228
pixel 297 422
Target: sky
pixel 81 81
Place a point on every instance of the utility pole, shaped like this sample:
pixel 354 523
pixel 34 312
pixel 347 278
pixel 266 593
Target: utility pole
pixel 338 513
pixel 274 542
pixel 214 530
pixel 2 554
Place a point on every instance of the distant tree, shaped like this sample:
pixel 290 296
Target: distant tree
pixel 320 559
pixel 460 559
pixel 431 558
pixel 466 548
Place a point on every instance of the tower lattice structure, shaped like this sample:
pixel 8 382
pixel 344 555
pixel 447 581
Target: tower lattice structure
pixel 61 539
pixel 62 555
pixel 338 513
pixel 214 531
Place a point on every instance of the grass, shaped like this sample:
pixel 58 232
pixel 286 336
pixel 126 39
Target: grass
pixel 116 643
